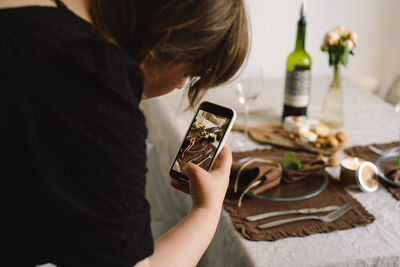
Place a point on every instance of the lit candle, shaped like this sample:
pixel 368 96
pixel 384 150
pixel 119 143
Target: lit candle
pixel 351 163
pixel 348 168
pixel 358 173
pixel 356 162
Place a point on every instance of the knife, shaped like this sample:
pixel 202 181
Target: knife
pixel 199 156
pixel 285 212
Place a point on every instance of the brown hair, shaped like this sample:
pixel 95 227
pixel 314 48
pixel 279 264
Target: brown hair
pixel 211 34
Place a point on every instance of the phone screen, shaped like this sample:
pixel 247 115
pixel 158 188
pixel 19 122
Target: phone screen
pixel 202 140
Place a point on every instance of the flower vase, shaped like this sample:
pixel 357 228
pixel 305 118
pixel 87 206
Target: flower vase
pixel 332 110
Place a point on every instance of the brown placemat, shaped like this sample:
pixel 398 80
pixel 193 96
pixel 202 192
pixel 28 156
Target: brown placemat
pixel 365 153
pixel 334 194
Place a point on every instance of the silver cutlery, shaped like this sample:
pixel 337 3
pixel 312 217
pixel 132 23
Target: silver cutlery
pixel 327 218
pixel 285 212
pixel 206 158
pixel 243 160
pixel 201 155
pixel 388 152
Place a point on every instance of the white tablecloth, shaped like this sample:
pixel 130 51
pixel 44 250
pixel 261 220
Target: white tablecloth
pixel 368 119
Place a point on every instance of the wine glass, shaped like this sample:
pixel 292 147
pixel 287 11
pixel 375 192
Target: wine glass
pixel 247 88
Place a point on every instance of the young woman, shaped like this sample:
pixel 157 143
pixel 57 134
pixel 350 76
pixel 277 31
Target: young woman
pixel 72 74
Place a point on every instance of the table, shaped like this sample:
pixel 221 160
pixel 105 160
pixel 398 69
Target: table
pixel 368 119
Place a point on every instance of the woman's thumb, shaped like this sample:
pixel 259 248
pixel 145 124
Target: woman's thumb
pixel 224 160
pixel 191 170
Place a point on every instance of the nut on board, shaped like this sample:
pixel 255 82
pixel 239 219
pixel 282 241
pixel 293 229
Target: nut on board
pixel 342 137
pixel 332 141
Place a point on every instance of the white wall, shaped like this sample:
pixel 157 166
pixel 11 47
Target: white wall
pixel 391 47
pixel 377 23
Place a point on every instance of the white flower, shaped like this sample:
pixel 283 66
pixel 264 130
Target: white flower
pixel 349 44
pixel 339 42
pixel 353 36
pixel 333 37
pixel 340 30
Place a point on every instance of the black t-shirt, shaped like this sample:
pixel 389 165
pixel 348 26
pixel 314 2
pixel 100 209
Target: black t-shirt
pixel 72 144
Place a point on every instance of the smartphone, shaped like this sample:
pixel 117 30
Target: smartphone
pixel 204 139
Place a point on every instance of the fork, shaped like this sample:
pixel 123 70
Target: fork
pixel 201 155
pixel 327 218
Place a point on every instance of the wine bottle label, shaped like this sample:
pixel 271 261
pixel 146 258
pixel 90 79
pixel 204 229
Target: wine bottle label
pixel 297 88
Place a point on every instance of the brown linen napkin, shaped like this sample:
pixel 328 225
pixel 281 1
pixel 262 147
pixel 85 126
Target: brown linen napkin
pixel 365 153
pixel 310 163
pixel 393 174
pixel 269 174
pixel 263 170
pixel 334 194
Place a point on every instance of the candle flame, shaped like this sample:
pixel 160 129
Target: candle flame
pixel 355 163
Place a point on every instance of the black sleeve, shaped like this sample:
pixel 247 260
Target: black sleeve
pixel 84 146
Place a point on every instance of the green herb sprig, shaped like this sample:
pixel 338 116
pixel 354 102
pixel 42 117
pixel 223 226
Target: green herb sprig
pixel 291 161
pixel 398 161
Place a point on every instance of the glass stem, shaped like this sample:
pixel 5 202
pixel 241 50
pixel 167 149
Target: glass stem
pixel 246 117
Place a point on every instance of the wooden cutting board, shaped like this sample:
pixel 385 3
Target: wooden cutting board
pixel 274 134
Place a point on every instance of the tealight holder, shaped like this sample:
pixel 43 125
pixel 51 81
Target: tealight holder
pixel 359 174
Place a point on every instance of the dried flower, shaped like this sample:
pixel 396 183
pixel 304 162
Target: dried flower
pixel 339 43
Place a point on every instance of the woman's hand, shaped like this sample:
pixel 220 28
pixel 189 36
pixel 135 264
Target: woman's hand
pixel 208 188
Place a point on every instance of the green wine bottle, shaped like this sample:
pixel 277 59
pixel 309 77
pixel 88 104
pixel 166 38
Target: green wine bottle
pixel 298 74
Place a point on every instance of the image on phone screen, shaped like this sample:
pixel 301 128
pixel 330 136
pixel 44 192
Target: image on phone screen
pixel 202 140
